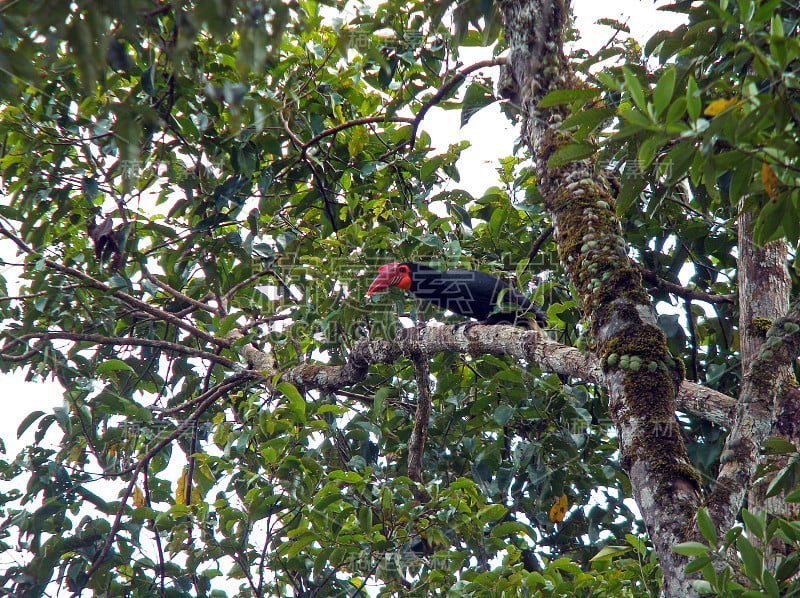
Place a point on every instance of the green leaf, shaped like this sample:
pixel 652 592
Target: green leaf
pixel 693 103
pixel 351 477
pixel 491 513
pixel 706 526
pixel 768 225
pixel 365 519
pixel 793 496
pixel 478 95
pixel 591 118
pixel 698 564
pixel 662 93
pixel 779 482
pixel 753 563
pixel 511 528
pixel 634 88
pixel 648 149
pixel 113 365
pixel 701 586
pixel 777 445
pixel 502 414
pixel 26 423
pixel 90 188
pixel 788 567
pixel 631 188
pixel 571 153
pixel 607 553
pixel 633 116
pixel 567 96
pixel 754 524
pixel 676 110
pixel 148 81
pixel 296 402
pixel 770 585
pixel 293 548
pixel 691 549
pixel 740 181
pixel 776 26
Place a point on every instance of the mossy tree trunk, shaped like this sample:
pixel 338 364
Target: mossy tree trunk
pixel 642 378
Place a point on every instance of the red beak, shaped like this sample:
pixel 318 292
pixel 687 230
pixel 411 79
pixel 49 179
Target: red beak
pixel 382 281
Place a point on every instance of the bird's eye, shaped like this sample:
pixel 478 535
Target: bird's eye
pixel 403 269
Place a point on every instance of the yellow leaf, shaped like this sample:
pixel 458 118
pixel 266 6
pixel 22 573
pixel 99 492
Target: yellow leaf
pixel 180 491
pixel 75 453
pixel 769 180
pixel 137 497
pixel 559 509
pixel 358 139
pixel 718 106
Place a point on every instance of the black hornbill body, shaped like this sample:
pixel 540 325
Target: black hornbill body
pixel 470 293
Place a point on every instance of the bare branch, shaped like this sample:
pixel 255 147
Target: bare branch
pixel 539 241
pixel 240 285
pixel 676 289
pixel 446 88
pixel 178 295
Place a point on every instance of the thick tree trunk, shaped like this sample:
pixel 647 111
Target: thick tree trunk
pixel 764 288
pixel 642 377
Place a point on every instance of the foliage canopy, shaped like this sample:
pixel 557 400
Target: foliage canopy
pixel 175 172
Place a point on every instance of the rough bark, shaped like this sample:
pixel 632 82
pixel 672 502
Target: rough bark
pixel 531 346
pixel 642 377
pixel 416 445
pixel 764 287
pixel 551 356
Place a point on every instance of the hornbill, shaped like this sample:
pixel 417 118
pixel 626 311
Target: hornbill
pixel 469 293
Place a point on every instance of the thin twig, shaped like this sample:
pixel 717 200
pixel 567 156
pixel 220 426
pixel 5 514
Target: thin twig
pixel 448 86
pixel 115 527
pixel 538 242
pixel 125 297
pixel 676 289
pixel 368 120
pixel 118 341
pixel 178 295
pixel 239 285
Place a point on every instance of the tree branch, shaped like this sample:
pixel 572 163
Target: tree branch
pixel 539 241
pixel 448 86
pixel 129 299
pixel 676 289
pixel 608 286
pixel 368 120
pixel 212 396
pixel 178 295
pixel 529 345
pixel 437 97
pixel 116 341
